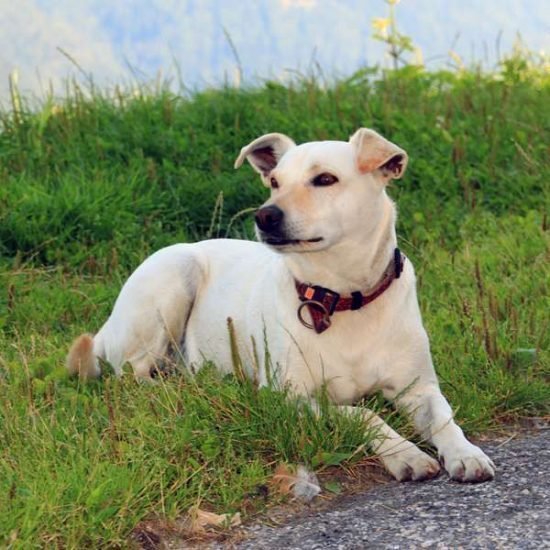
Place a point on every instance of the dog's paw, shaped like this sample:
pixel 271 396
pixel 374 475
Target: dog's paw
pixel 468 464
pixel 410 464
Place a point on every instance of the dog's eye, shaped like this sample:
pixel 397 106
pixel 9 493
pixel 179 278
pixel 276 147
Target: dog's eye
pixel 274 183
pixel 324 179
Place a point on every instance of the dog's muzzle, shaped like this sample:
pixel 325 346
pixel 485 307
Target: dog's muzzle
pixel 269 220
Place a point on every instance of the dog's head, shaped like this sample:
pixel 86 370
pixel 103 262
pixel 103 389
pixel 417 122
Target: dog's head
pixel 324 191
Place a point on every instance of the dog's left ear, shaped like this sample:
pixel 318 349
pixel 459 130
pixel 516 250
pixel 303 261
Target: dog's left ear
pixel 265 152
pixel 375 152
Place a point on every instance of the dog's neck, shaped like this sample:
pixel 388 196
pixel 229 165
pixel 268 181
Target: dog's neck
pixel 355 264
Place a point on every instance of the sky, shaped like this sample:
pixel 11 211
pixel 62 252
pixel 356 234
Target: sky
pixel 119 41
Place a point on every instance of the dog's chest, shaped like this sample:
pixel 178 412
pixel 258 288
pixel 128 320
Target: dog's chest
pixel 349 357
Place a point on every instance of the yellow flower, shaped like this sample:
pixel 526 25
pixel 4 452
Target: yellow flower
pixel 380 25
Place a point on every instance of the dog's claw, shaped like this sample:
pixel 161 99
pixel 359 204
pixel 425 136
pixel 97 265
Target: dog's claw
pixel 406 473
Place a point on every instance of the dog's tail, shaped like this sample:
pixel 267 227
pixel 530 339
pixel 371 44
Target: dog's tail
pixel 81 359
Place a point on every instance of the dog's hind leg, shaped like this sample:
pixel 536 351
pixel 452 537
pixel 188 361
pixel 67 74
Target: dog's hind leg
pixel 152 311
pixel 150 355
pixel 149 315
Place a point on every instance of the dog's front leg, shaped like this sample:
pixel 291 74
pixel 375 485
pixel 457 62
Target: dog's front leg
pixel 404 460
pixel 433 419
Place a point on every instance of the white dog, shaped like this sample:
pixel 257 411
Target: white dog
pixel 327 290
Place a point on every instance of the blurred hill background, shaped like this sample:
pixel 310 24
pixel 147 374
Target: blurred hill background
pixel 271 37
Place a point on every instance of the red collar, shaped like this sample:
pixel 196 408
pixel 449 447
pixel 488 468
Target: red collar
pixel 323 302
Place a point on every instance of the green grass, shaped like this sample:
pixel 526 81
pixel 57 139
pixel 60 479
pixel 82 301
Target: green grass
pixel 83 465
pixel 91 184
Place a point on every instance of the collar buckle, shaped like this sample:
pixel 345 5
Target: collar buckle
pixel 323 296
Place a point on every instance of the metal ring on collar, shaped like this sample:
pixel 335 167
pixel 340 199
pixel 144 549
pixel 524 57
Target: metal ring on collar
pixel 318 305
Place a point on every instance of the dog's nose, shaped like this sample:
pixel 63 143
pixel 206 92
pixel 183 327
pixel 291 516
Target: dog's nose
pixel 269 218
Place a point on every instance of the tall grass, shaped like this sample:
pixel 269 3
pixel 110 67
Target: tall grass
pixel 72 170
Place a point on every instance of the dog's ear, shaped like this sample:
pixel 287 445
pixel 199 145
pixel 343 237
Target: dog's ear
pixel 377 153
pixel 265 152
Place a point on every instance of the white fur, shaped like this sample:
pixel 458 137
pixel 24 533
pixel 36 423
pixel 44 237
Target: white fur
pixel 185 293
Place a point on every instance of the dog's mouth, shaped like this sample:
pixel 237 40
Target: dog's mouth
pixel 279 241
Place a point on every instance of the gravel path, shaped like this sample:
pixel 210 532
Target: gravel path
pixel 513 511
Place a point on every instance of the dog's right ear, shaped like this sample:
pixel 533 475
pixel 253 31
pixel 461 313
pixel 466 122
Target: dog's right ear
pixel 265 152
